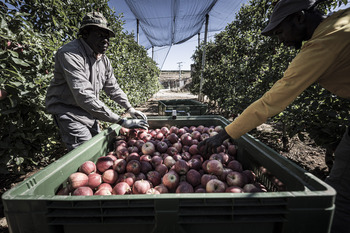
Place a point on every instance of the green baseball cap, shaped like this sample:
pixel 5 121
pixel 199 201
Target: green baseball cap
pixel 285 8
pixel 95 19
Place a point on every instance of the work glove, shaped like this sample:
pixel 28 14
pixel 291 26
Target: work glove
pixel 212 143
pixel 134 124
pixel 137 114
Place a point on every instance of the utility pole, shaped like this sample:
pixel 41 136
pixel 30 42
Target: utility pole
pixel 179 63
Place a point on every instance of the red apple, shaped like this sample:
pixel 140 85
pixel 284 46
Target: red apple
pixel 122 152
pixel 94 180
pixel 87 167
pixel 120 166
pixel 181 167
pixel 147 158
pixel 251 177
pixel 165 130
pixel 184 187
pixel 171 180
pixel 169 161
pixel 235 178
pixel 154 177
pixel 193 177
pixel 133 166
pixel 234 189
pixel 172 151
pixel 103 163
pixel 232 150
pixel 121 188
pixel 251 188
pixel 235 165
pixel 140 187
pixel 161 188
pixel 78 179
pixel 152 191
pixel 162 147
pixel 145 166
pixel 193 149
pixel 133 149
pixel 127 177
pixel 173 129
pixel 215 186
pixel 206 177
pixel 110 176
pixel 148 148
pixel 196 135
pixel 177 146
pixel 102 192
pixel 105 186
pixel 195 163
pixel 133 156
pixel 83 191
pixel 162 169
pixel 215 167
pixel 173 138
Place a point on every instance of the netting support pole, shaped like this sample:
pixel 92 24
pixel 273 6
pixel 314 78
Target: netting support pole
pixel 137 29
pixel 200 96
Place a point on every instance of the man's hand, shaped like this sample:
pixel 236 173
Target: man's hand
pixel 137 114
pixel 211 144
pixel 135 124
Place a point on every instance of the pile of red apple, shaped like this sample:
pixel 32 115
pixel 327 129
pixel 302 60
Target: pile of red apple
pixel 165 160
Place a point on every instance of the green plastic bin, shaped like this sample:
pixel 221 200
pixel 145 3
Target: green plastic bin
pixel 306 206
pixel 183 107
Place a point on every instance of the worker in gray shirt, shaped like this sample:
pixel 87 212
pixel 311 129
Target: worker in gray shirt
pixel 82 70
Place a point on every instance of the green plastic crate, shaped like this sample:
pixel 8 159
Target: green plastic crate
pixel 306 206
pixel 183 107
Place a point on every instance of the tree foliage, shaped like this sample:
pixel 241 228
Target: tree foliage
pixel 241 65
pixel 31 31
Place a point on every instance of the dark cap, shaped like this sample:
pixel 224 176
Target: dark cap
pixel 95 19
pixel 285 8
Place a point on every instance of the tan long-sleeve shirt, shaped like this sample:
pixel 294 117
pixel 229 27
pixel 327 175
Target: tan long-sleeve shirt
pixel 325 59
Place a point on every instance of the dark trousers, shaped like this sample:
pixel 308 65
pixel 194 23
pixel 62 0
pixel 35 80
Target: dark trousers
pixel 339 179
pixel 73 132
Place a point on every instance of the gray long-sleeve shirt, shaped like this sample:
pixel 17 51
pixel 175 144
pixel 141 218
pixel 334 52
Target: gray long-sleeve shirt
pixel 78 79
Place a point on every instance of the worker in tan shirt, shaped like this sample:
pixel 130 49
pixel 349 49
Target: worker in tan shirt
pixel 323 59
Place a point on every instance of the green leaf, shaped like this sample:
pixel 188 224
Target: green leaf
pixel 20 62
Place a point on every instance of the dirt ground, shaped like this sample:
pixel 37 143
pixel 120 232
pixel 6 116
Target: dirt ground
pixel 305 154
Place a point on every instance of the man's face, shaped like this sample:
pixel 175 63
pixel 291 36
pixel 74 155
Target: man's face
pixel 98 40
pixel 291 31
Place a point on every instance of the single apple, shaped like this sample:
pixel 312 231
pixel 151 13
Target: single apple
pixel 121 188
pixel 184 187
pixel 193 177
pixel 141 187
pixel 83 191
pixel 181 167
pixel 215 167
pixel 162 147
pixel 148 148
pixel 154 177
pixel 133 166
pixel 94 180
pixel 110 176
pixel 215 186
pixel 234 189
pixel 103 163
pixel 78 179
pixel 87 167
pixel 171 180
pixel 235 178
